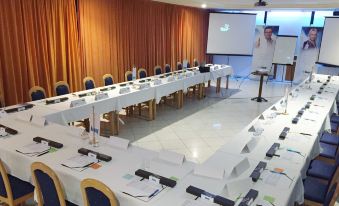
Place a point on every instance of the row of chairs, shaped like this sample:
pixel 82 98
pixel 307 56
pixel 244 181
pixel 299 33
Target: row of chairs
pixel 321 184
pixel 62 87
pixel 14 191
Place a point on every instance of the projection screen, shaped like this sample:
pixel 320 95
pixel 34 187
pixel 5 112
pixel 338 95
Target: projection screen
pixel 330 42
pixel 231 33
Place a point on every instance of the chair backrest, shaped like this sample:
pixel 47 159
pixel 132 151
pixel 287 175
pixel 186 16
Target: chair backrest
pixel 88 83
pixel 157 70
pixel 108 79
pixel 37 93
pixel 128 76
pixel 61 88
pixel 179 66
pixel 167 68
pixel 195 63
pixel 332 195
pixel 96 193
pixel 48 188
pixel 6 194
pixel 142 73
pixel 188 65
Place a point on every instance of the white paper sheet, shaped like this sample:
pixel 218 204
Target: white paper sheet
pixel 33 149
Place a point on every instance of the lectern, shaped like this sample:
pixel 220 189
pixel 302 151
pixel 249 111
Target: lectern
pixel 261 73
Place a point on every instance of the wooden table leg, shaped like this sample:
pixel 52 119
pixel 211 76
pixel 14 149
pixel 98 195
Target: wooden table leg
pixel 227 80
pixel 177 99
pixel 154 109
pixel 181 96
pixel 218 84
pixel 113 117
pixel 150 110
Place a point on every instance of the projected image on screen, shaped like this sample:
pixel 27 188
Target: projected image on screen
pixel 330 43
pixel 231 33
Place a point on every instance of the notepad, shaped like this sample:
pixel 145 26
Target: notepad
pixel 79 162
pixel 143 190
pixel 33 149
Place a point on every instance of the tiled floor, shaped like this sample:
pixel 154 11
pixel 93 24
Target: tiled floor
pixel 202 126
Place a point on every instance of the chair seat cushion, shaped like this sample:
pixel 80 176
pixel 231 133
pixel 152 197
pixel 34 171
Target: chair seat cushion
pixel 335 118
pixel 19 187
pixel 315 190
pixel 322 170
pixel 329 138
pixel 327 150
pixel 334 127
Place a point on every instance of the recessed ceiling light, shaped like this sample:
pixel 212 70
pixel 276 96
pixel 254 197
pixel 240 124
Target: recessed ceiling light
pixel 203 5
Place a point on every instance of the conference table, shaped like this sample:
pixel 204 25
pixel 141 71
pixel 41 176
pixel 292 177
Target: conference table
pixel 225 173
pixel 126 94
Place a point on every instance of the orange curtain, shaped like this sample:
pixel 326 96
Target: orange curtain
pixel 39 45
pixel 45 41
pixel 117 34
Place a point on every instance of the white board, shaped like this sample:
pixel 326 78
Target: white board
pixel 285 49
pixel 330 43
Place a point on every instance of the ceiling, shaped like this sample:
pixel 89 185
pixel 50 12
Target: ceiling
pixel 249 4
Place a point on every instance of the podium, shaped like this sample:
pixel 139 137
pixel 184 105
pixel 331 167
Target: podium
pixel 261 73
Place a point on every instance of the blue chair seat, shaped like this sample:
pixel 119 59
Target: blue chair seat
pixel 334 127
pixel 328 151
pixel 335 118
pixel 329 138
pixel 67 203
pixel 315 190
pixel 322 170
pixel 19 187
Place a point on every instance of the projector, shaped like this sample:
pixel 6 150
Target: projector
pixel 261 3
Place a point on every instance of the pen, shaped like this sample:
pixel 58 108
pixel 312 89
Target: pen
pixel 305 134
pixel 43 153
pixel 290 150
pixel 154 193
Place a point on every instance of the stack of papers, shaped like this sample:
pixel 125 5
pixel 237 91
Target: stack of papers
pixel 34 149
pixel 143 190
pixel 79 162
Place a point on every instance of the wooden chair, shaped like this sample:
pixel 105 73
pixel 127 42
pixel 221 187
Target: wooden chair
pixel 327 199
pixel 157 70
pixel 13 191
pixel 142 73
pixel 108 79
pixel 61 88
pixel 48 186
pixel 37 93
pixel 167 68
pixel 128 76
pixel 96 193
pixel 195 63
pixel 88 83
pixel 179 66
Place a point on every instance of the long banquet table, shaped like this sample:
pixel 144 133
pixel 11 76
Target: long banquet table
pixel 246 146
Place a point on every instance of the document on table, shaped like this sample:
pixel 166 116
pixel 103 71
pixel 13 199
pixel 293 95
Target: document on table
pixel 34 149
pixel 79 162
pixel 197 203
pixel 281 180
pixel 143 190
